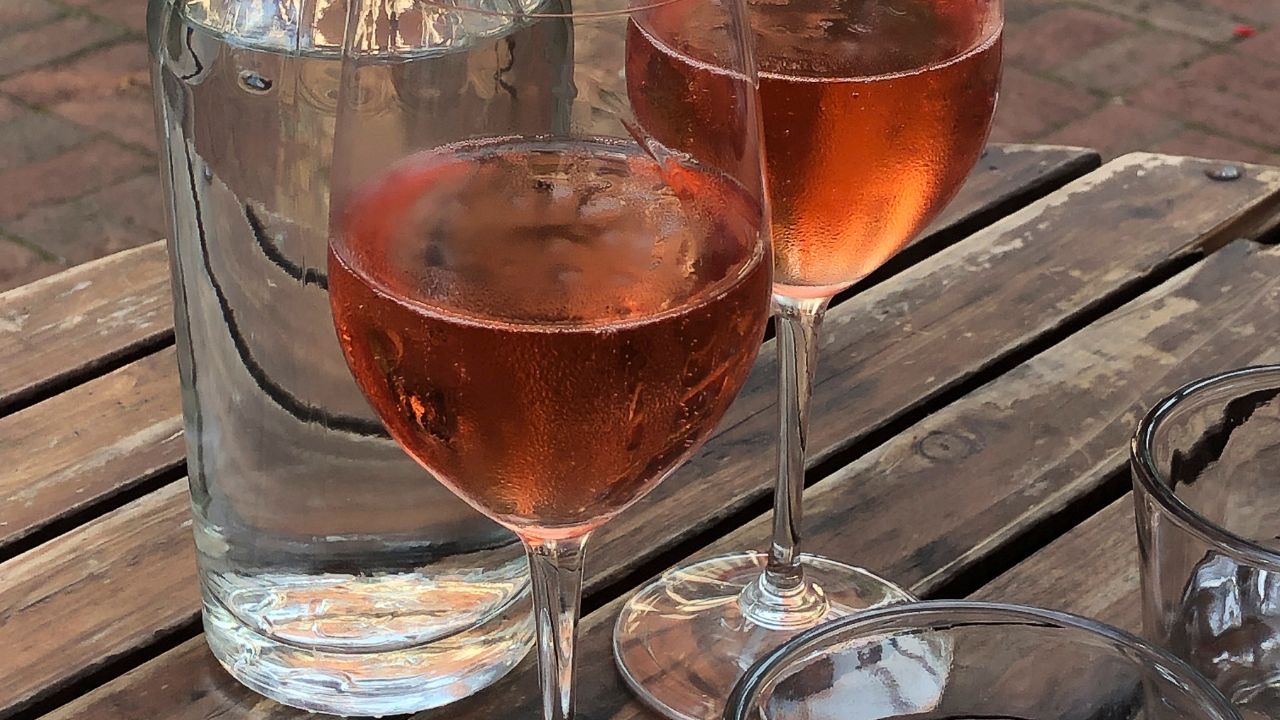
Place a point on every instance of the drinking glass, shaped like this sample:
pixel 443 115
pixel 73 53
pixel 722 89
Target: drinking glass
pixel 874 112
pixel 1206 478
pixel 548 307
pixel 956 659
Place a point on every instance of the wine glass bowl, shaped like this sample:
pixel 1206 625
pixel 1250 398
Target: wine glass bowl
pixel 873 115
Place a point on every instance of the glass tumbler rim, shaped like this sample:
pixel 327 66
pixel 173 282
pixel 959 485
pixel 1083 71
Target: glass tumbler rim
pixel 954 612
pixel 1148 478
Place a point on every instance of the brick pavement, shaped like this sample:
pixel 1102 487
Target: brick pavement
pixel 78 173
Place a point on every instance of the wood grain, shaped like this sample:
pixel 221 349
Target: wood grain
pixel 859 513
pixel 1090 571
pixel 88 444
pixel 67 327
pixel 81 600
pixel 1007 178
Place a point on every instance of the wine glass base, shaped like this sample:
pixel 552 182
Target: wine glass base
pixel 682 642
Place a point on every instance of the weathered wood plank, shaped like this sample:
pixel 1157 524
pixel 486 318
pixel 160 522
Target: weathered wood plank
pixel 1008 177
pixel 1092 571
pixel 88 444
pixel 64 328
pixel 77 602
pixel 853 512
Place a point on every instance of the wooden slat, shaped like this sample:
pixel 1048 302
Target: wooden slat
pixel 70 325
pixel 74 603
pixel 1090 571
pixel 1007 178
pixel 986 266
pixel 88 444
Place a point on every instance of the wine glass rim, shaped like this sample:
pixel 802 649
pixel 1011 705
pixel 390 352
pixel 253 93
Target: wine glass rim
pixel 630 8
pixel 1153 483
pixel 741 699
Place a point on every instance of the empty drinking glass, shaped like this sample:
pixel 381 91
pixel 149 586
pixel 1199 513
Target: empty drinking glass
pixel 1205 474
pixel 958 659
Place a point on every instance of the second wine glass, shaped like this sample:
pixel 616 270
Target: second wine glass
pixel 874 113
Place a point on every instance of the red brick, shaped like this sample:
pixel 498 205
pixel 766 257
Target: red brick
pixel 1031 107
pixel 30 136
pixel 1136 59
pixel 1266 12
pixel 73 173
pixel 1061 35
pixel 1187 17
pixel 1265 46
pixel 1021 11
pixel 1117 129
pixel 108 90
pixel 121 217
pixel 16 15
pixel 20 265
pixel 52 41
pixel 138 203
pixel 1228 93
pixel 1200 144
pixel 129 13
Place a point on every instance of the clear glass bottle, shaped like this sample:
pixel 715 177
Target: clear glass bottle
pixel 337 576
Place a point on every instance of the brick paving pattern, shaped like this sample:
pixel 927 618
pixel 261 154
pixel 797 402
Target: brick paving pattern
pixel 78 175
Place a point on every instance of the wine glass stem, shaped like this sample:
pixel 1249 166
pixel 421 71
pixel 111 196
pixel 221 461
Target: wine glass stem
pixel 781 598
pixel 555 568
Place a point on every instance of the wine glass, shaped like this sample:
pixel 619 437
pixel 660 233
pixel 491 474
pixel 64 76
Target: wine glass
pixel 874 112
pixel 548 307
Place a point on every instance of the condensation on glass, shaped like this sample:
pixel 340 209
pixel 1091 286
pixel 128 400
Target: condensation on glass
pixel 336 574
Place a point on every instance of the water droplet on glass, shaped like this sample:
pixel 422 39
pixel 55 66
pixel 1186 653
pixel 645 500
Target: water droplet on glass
pixel 1225 173
pixel 254 83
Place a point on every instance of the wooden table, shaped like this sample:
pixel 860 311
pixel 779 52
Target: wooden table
pixel 970 421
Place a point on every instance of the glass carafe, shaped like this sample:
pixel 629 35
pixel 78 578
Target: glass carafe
pixel 336 575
